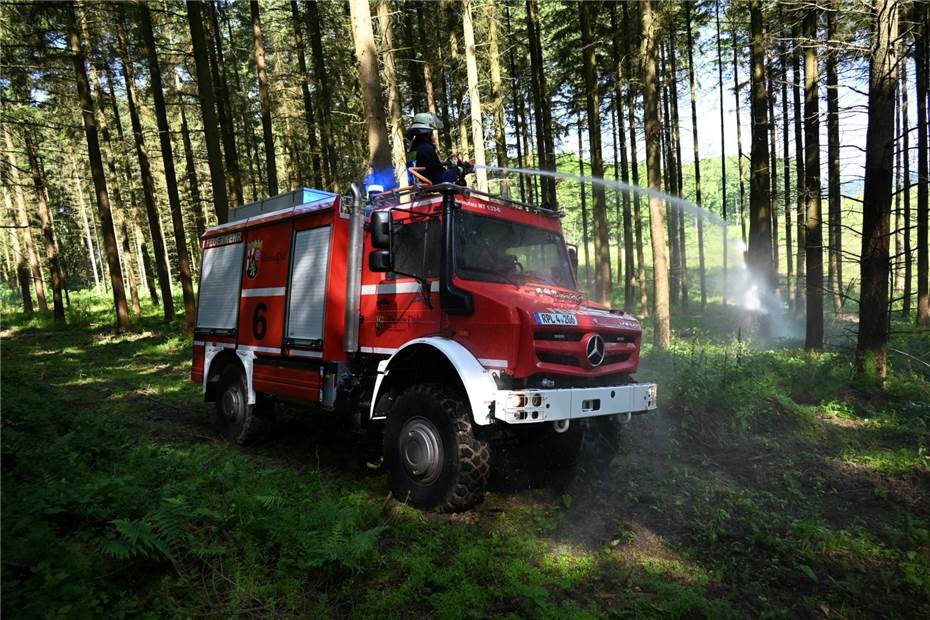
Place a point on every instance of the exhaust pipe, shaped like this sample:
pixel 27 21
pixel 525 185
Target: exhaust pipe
pixel 354 271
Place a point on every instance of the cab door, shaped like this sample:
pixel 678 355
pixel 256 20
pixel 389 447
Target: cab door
pixel 402 309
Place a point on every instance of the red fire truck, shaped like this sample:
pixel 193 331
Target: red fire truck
pixel 464 324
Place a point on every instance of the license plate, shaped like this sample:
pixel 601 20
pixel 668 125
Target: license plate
pixel 552 318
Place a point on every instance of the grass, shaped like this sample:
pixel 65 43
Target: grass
pixel 769 484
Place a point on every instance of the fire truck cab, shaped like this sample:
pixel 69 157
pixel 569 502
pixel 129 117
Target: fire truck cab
pixel 440 315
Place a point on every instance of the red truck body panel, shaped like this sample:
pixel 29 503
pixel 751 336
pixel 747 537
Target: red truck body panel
pixel 501 333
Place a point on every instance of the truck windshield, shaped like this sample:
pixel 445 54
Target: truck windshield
pixel 498 250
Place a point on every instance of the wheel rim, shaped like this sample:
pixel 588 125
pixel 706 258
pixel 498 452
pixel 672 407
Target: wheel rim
pixel 421 450
pixel 232 405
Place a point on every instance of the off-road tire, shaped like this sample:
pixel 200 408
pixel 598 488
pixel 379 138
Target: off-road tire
pixel 465 458
pixel 236 420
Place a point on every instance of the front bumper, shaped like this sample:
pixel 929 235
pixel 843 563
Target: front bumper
pixel 533 406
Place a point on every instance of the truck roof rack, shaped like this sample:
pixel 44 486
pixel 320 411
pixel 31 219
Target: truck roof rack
pixel 418 191
pixel 302 196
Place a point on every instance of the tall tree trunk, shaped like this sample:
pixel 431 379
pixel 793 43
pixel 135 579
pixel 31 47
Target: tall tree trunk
pixel 428 61
pixel 100 181
pixel 801 180
pixel 398 150
pixel 786 173
pixel 88 237
pixel 48 232
pixel 148 182
pixel 618 217
pixel 450 10
pixel 833 170
pixel 723 154
pixel 309 116
pixel 378 146
pixel 584 209
pixel 872 344
pixel 474 97
pixel 603 284
pixel 671 178
pixel 620 145
pixel 634 170
pixel 108 159
pixel 697 157
pixel 19 255
pixel 171 181
pixel 541 110
pixel 773 170
pixel 921 61
pixel 739 135
pixel 497 100
pixel 324 100
pixel 190 166
pixel 224 112
pixel 141 247
pixel 23 221
pixel 813 225
pixel 899 224
pixel 408 28
pixel 519 119
pixel 662 335
pixel 208 111
pixel 264 98
pixel 676 144
pixel 760 220
pixel 906 190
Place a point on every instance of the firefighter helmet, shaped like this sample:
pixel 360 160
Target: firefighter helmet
pixel 426 121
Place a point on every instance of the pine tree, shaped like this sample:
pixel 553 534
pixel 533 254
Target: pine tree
pixel 378 145
pixel 171 182
pixel 760 222
pixel 662 333
pixel 208 111
pixel 813 220
pixel 264 98
pixel 871 348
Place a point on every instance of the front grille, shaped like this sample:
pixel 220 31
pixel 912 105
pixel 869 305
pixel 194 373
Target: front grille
pixel 558 336
pixel 616 359
pixel 556 358
pixel 609 337
pixel 617 338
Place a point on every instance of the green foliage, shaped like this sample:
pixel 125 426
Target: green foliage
pixel 768 484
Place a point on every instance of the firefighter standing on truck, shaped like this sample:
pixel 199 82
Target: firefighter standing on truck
pixel 422 153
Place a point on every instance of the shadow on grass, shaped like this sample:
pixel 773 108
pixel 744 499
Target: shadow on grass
pixel 766 484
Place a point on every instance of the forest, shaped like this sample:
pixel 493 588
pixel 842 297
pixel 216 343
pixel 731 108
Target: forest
pixel 749 178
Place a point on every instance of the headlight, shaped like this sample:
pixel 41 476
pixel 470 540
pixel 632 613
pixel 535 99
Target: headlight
pixel 517 400
pixel 652 391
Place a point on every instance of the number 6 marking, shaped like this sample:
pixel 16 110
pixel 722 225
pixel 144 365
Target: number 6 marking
pixel 259 322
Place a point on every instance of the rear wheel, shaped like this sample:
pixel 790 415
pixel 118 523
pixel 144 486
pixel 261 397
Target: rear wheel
pixel 236 420
pixel 433 457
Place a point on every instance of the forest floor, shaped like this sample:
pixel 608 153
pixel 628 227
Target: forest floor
pixel 769 483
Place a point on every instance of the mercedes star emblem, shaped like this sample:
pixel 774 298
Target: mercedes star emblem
pixel 595 350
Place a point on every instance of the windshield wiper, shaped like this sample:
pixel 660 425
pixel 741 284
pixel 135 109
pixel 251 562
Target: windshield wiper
pixel 493 273
pixel 532 275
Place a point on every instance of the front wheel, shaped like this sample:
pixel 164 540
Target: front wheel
pixel 433 457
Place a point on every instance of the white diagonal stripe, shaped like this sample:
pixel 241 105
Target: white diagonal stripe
pixel 394 288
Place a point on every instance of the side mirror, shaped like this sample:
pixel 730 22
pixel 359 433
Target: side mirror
pixel 381 229
pixel 573 258
pixel 380 260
